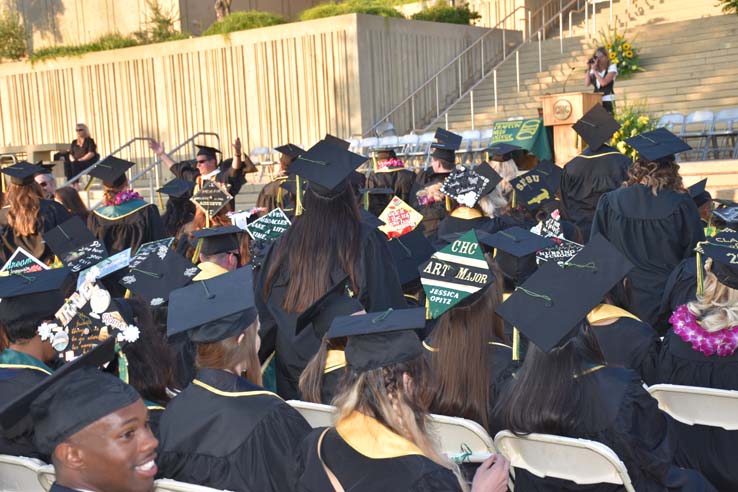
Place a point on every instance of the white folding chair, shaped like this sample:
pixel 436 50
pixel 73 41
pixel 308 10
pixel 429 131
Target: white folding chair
pixel 578 460
pixel 694 405
pixel 724 132
pixel 697 126
pixel 316 414
pixel 169 485
pixel 262 157
pixel 390 141
pixel 18 474
pixel 46 475
pixel 462 439
pixel 670 121
pixel 408 143
pixel 367 144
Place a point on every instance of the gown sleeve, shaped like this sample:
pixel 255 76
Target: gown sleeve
pixel 381 288
pixel 267 323
pixel 441 480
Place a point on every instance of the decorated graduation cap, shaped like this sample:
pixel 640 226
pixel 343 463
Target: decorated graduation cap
pixel 211 198
pixel 596 127
pixel 218 239
pixel 290 150
pixel 723 249
pixel 399 218
pixel 699 194
pixel 214 309
pixel 209 152
pixel 549 307
pixel 158 275
pixel 658 145
pixel 73 397
pixel 531 190
pixel 33 294
pixel 552 174
pixel 727 211
pixel 326 166
pixel 446 145
pixel 516 251
pixel 22 173
pixel 409 251
pixel 454 273
pixel 336 302
pixel 501 151
pixel 75 245
pixel 177 188
pixel 380 339
pixel 111 170
pixel 467 186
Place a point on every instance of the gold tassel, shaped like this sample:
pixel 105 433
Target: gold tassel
pixel 700 275
pixel 366 200
pixel 448 204
pixel 279 197
pixel 516 344
pixel 427 309
pixel 514 199
pixel 196 254
pixel 298 196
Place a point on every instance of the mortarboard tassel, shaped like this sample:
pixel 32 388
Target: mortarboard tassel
pixel 448 204
pixel 298 196
pixel 516 344
pixel 700 275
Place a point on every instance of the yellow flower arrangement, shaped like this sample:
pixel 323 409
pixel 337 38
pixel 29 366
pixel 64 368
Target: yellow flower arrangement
pixel 621 52
pixel 633 121
pixel 613 55
pixel 628 54
pixel 626 46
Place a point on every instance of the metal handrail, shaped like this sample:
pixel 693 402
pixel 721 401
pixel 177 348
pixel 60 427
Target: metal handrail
pixel 494 69
pixel 87 170
pixel 443 69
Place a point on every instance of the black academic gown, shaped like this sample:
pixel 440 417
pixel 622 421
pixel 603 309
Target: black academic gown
pixel 586 178
pixel 624 417
pixel 50 214
pixel 399 468
pixel 464 219
pixel 435 212
pixel 379 289
pixel 226 433
pixel 275 195
pixel 400 180
pixel 18 372
pixel 655 233
pixel 55 487
pixel 711 450
pixel 335 368
pixel 680 288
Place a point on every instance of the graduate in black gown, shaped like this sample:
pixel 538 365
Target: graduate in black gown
pixel 224 430
pixel 92 424
pixel 25 307
pixel 680 288
pixel 651 220
pixel 323 245
pixel 596 171
pixel 275 194
pixel 26 215
pixel 125 220
pixel 178 210
pixel 380 441
pixel 703 201
pixel 467 350
pixel 700 350
pixel 426 196
pixel 389 172
pixel 409 251
pixel 565 387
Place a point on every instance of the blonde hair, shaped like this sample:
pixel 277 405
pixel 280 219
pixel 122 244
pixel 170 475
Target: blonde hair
pixel 25 203
pixel 228 354
pixel 87 130
pixel 717 307
pixel 381 394
pixel 656 175
pixel 508 171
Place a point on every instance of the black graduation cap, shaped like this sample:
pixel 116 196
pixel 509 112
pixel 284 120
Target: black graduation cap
pixel 68 236
pixel 218 239
pixel 290 150
pixel 552 172
pixel 516 251
pixel 209 152
pixel 699 194
pixel 326 166
pixel 380 339
pixel 34 295
pixel 409 251
pixel 723 249
pixel 596 127
pixel 532 189
pixel 727 213
pixel 48 168
pixel 549 306
pixel 158 275
pixel 658 145
pixel 177 187
pixel 111 170
pixel 501 151
pixel 340 143
pixel 214 309
pixel 467 186
pixel 446 145
pixel 211 198
pixel 335 302
pixel 22 173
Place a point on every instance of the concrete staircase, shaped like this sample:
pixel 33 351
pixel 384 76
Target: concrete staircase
pixel 687 48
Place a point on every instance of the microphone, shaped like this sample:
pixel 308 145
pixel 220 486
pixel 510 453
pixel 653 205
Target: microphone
pixel 571 71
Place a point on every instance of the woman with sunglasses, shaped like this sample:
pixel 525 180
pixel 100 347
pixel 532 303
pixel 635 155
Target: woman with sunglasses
pixel 82 152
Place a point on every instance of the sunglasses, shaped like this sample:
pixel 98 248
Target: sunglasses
pixel 80 129
pixel 203 161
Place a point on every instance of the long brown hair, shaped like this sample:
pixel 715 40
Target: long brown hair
pixel 656 175
pixel 228 354
pixel 326 235
pixel 311 379
pixel 69 198
pixel 25 203
pixel 461 363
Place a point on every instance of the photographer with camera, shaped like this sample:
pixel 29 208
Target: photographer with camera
pixel 601 74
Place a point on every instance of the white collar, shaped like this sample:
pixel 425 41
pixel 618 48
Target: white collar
pixel 211 174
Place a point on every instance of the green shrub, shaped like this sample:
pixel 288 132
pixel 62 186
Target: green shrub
pixel 373 7
pixel 111 41
pixel 729 6
pixel 12 36
pixel 442 12
pixel 241 21
pixel 160 25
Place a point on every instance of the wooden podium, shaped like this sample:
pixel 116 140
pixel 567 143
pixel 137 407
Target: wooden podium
pixel 561 111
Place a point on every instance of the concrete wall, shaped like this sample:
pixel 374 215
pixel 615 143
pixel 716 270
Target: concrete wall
pixel 268 86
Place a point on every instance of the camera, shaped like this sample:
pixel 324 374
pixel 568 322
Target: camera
pixel 591 61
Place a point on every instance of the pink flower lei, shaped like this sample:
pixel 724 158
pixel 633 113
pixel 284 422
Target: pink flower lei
pixel 723 342
pixel 391 163
pixel 125 196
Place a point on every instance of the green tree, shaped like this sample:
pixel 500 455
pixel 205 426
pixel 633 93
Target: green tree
pixel 729 6
pixel 12 36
